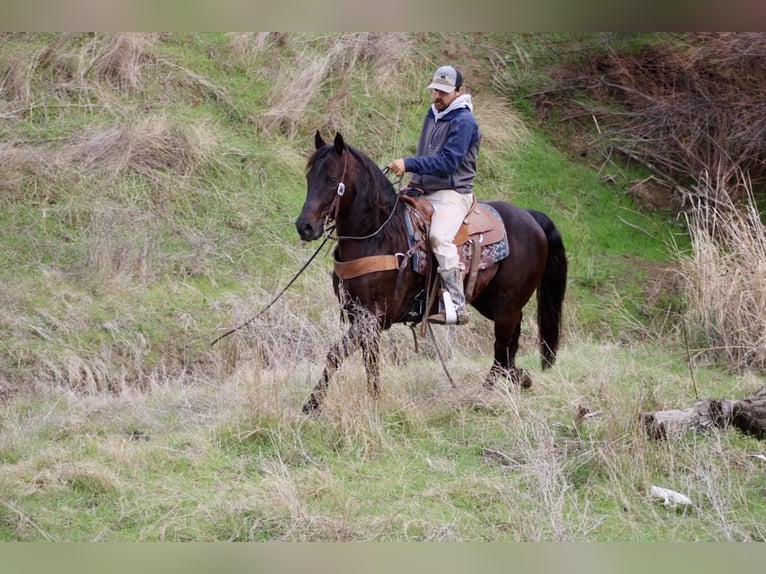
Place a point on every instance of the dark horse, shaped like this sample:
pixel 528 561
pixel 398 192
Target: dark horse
pixel 344 185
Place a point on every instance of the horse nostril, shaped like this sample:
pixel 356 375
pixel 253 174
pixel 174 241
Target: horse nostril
pixel 304 229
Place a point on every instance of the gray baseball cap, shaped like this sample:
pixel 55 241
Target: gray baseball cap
pixel 446 79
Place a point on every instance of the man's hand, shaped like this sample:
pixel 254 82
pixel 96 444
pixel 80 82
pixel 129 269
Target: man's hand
pixel 397 166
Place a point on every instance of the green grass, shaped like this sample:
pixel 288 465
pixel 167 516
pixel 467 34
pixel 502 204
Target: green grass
pixel 464 467
pixel 607 236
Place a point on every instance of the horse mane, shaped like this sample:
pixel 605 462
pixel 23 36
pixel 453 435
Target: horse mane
pixel 378 189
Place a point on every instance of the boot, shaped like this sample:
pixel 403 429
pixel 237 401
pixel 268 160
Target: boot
pixel 452 281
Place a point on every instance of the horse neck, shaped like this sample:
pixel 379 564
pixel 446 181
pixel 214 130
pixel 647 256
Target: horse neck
pixel 365 214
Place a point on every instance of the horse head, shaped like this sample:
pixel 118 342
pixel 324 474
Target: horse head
pixel 327 178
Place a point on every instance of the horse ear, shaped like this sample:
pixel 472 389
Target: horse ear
pixel 340 145
pixel 318 141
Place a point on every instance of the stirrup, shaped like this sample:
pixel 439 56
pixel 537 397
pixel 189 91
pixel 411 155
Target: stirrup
pixel 461 318
pixel 437 318
pixel 450 314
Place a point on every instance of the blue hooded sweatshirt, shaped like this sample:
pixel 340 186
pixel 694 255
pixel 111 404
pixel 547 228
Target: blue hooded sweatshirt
pixel 447 149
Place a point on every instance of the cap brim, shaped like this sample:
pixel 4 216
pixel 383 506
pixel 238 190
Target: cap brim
pixel 441 87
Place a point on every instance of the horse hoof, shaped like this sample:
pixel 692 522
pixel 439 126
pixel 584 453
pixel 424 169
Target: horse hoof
pixel 521 378
pixel 311 407
pixel 525 381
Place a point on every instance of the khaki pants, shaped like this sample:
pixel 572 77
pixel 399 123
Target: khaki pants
pixel 450 208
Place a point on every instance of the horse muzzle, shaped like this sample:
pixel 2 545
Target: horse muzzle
pixel 307 229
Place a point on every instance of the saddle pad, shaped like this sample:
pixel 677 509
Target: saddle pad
pixel 482 224
pixel 487 228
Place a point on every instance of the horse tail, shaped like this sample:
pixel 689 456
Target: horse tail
pixel 550 293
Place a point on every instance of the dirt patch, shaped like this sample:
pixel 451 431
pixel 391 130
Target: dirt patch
pixel 653 195
pixel 662 283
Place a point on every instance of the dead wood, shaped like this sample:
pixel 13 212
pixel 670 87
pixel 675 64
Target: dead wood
pixel 748 415
pixel 693 104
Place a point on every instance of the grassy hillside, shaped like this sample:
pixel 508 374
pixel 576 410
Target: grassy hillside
pixel 152 182
pixel 148 194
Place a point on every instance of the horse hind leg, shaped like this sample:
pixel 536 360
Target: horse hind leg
pixel 507 335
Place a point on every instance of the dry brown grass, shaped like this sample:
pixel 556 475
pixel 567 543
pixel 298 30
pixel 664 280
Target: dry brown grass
pixel 154 147
pixel 427 462
pixel 369 59
pixel 115 58
pixel 121 247
pixel 148 146
pixel 73 68
pixel 501 127
pixel 292 93
pixel 15 85
pixel 246 47
pixel 28 172
pixel 725 278
pixel 76 73
pixel 503 131
pixel 119 58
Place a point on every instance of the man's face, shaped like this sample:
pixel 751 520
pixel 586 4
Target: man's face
pixel 442 100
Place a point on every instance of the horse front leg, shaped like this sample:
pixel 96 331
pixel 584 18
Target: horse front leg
pixel 371 353
pixel 335 357
pixel 507 335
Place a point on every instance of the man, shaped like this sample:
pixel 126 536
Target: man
pixel 443 170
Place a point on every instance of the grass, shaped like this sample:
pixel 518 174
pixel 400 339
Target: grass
pixel 153 210
pixel 234 461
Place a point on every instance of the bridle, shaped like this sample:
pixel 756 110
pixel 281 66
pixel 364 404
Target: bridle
pixel 332 213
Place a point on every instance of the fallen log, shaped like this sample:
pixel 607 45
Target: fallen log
pixel 747 415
